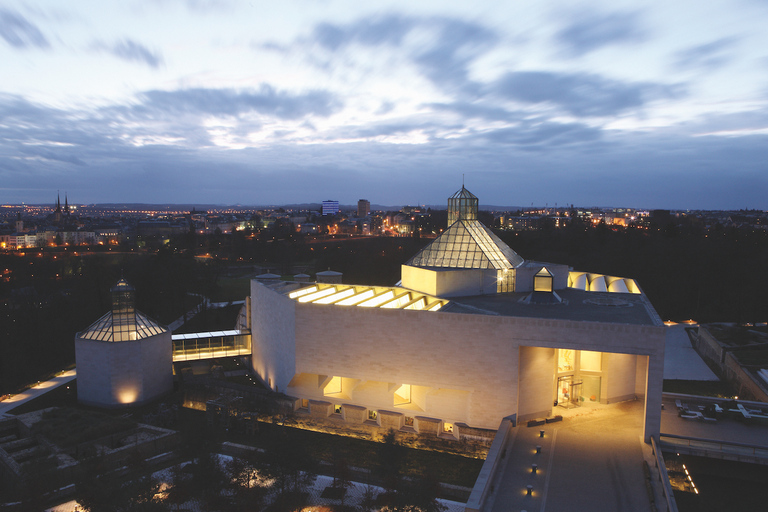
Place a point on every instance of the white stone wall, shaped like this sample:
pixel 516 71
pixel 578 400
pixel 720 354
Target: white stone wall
pixel 273 337
pixel 475 354
pixel 641 375
pixel 619 377
pixel 111 374
pixel 449 283
pixel 157 362
pixel 93 376
pixel 537 382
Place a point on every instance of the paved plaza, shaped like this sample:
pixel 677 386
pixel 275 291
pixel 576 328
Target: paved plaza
pixel 592 460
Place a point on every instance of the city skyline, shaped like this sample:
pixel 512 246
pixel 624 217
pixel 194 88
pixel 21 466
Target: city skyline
pixel 630 103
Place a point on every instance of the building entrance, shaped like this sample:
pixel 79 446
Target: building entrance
pixel 568 392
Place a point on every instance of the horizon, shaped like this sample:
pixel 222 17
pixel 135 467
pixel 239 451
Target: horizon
pixel 216 101
pixel 379 207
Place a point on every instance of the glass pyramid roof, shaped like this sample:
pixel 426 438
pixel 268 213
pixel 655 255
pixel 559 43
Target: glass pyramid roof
pixel 108 328
pixel 467 244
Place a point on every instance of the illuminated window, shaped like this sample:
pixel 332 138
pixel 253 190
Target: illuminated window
pixel 564 360
pixel 333 387
pixel 403 395
pixel 542 281
pixel 373 415
pixel 337 409
pixel 304 403
pixel 447 428
pixel 409 421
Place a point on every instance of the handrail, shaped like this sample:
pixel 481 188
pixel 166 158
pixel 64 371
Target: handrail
pixel 666 486
pixel 484 483
pixel 715 442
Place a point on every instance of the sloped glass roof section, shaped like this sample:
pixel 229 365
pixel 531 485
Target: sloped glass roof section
pixel 467 244
pixel 385 297
pixel 108 328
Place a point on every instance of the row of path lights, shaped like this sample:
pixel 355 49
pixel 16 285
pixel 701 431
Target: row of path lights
pixel 534 467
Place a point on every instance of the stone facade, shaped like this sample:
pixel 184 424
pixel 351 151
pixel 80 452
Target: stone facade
pixel 113 374
pixel 462 368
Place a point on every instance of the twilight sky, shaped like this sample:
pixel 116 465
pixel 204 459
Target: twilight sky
pixel 648 104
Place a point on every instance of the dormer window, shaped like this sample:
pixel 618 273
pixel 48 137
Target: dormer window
pixel 542 281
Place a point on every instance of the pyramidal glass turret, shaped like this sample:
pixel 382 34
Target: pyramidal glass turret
pixel 467 243
pixel 124 322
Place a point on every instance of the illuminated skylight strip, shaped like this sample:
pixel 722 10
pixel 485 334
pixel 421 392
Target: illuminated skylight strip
pixel 417 304
pixel 336 296
pixel 378 300
pixel 303 291
pixel 398 302
pixel 434 306
pixel 317 295
pixel 355 299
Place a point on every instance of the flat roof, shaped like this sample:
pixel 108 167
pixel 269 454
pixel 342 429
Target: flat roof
pixel 577 305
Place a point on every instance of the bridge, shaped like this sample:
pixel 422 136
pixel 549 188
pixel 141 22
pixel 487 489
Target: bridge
pixel 196 346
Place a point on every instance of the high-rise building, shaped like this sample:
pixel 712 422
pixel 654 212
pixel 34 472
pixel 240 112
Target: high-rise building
pixel 363 207
pixel 330 207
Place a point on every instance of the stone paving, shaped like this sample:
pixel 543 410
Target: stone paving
pixel 35 391
pixel 592 460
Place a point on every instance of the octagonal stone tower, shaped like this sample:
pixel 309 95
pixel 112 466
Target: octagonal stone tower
pixel 124 358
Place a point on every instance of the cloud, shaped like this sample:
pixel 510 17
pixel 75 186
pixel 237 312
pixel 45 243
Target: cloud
pixel 201 6
pixel 441 48
pixel 474 110
pixel 20 33
pixel 377 31
pixel 65 156
pixel 591 31
pixel 208 5
pixel 109 153
pixel 130 50
pixel 455 45
pixel 707 56
pixel 230 102
pixel 545 133
pixel 581 94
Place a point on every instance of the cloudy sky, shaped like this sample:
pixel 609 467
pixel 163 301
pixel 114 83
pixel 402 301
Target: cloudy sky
pixel 649 104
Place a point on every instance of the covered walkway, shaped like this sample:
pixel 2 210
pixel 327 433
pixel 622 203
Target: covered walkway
pixel 210 345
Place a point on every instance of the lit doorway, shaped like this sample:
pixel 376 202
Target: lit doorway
pixel 568 392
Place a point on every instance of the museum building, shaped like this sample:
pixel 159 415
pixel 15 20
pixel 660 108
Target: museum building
pixel 472 334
